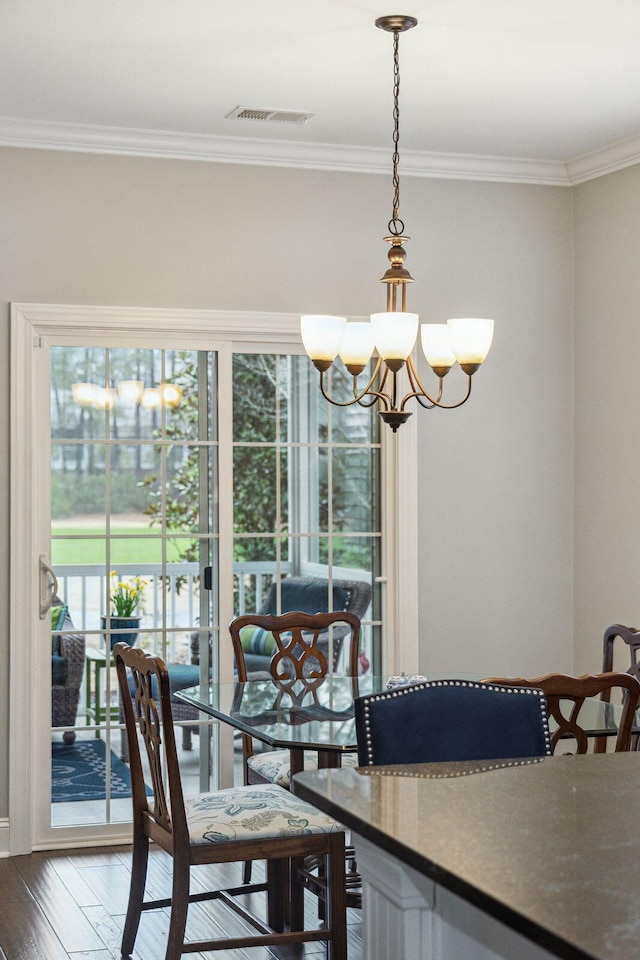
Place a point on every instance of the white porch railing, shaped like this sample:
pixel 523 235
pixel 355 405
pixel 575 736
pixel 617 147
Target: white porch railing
pixel 174 600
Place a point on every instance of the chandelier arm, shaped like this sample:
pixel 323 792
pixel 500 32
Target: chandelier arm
pixel 453 406
pixel 435 402
pixel 357 396
pixel 386 400
pixel 378 394
pixel 419 389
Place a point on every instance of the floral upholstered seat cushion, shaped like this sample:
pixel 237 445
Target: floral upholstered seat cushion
pixel 253 813
pixel 275 765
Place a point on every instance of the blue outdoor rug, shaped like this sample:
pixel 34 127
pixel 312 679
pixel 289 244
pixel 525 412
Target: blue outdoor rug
pixel 79 771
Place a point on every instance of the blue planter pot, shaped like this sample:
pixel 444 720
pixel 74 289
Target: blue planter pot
pixel 118 624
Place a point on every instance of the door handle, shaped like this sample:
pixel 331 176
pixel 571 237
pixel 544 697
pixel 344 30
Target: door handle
pixel 48 586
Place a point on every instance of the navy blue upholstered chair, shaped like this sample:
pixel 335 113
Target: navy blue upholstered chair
pixel 447 720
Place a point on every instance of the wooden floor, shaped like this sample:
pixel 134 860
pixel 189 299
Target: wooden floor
pixel 70 905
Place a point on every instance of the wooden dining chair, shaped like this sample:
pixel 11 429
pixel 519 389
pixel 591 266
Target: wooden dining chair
pixel 628 635
pixel 298 643
pixel 300 646
pixel 447 720
pixel 242 823
pixel 566 696
pixel 631 637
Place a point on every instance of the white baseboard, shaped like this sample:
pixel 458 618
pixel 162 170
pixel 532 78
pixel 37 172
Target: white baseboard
pixel 4 837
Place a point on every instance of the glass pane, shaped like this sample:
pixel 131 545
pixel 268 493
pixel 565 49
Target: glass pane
pixel 255 563
pixel 134 377
pixel 255 485
pixel 132 551
pixel 304 488
pixel 352 424
pixel 185 559
pixel 188 470
pixel 78 394
pixel 357 554
pixel 288 395
pixel 78 489
pixel 254 397
pixel 190 376
pixel 354 481
pixel 135 488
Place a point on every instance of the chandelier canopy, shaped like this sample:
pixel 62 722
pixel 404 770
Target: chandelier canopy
pixel 393 334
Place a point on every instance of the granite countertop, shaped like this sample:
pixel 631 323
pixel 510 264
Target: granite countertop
pixel 550 847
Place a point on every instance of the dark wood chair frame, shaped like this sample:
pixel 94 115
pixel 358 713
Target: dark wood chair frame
pixel 300 662
pixel 630 636
pixel 559 687
pixel 166 824
pixel 298 657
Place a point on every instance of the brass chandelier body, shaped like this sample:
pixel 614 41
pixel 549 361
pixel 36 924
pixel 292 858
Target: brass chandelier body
pixel 393 334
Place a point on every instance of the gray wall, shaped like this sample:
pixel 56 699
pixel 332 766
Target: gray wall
pixel 496 476
pixel 607 401
pixel 496 513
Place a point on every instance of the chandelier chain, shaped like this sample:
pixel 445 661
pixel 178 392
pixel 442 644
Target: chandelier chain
pixel 396 226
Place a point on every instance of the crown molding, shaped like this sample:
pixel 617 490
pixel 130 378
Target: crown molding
pixel 87 138
pixel 617 156
pixel 125 141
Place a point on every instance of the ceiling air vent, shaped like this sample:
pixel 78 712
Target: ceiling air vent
pixel 270 116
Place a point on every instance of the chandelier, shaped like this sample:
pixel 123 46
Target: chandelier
pixel 393 334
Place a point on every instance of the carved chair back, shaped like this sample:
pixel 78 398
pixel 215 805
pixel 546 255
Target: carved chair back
pixel 628 635
pixel 298 654
pixel 299 663
pixel 566 696
pixel 146 704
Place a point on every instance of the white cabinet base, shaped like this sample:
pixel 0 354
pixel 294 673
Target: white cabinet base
pixel 406 916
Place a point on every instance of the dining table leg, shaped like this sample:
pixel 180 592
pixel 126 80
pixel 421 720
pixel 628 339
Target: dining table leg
pixel 296 757
pixel 328 759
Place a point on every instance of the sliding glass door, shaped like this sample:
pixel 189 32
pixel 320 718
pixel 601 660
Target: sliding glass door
pixel 134 525
pixel 135 535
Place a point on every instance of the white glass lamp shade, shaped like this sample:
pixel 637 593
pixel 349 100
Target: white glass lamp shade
pixel 470 339
pixel 322 338
pixel 395 336
pixel 105 398
pixel 357 346
pixel 84 394
pixel 171 394
pixel 151 398
pixel 436 346
pixel 130 391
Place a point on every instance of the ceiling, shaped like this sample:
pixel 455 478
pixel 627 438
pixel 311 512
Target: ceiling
pixel 492 89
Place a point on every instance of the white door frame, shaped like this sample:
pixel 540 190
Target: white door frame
pixel 33 328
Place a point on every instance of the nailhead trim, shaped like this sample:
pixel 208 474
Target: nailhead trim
pixel 405 691
pixel 414 773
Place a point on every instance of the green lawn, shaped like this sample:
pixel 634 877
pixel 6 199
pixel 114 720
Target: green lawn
pixel 139 550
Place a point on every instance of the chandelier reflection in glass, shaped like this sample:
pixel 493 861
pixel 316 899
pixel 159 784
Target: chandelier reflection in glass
pixel 127 392
pixel 393 333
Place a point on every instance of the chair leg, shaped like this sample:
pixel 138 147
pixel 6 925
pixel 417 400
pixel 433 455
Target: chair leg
pixel 179 907
pixel 336 903
pixel 296 895
pixel 186 738
pixel 246 871
pixel 277 886
pixel 139 861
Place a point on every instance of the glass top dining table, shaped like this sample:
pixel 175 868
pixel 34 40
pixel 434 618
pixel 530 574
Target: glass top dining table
pixel 318 715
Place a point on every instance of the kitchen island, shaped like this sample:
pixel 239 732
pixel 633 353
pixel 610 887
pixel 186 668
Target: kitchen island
pixel 520 860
